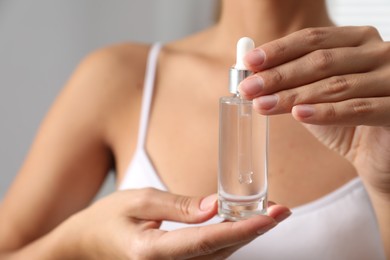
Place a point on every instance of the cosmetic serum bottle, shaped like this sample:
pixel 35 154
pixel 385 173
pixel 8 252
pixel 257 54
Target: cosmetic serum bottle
pixel 243 149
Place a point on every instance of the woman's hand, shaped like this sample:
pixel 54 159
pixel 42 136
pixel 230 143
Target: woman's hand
pixel 337 81
pixel 126 225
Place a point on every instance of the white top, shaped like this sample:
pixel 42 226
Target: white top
pixel 340 225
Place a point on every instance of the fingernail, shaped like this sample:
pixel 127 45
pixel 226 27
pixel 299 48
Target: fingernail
pixel 282 216
pixel 304 111
pixel 267 228
pixel 208 202
pixel 255 58
pixel 266 102
pixel 251 86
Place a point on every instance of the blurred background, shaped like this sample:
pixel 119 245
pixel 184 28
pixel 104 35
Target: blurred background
pixel 42 41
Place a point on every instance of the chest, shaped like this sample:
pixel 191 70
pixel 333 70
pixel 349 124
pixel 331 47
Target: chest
pixel 182 144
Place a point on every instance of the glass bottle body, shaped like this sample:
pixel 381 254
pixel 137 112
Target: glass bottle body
pixel 243 156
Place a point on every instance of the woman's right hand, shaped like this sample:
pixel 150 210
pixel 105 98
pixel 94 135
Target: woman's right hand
pixel 125 225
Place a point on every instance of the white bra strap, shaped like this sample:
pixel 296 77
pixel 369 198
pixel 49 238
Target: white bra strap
pixel 147 96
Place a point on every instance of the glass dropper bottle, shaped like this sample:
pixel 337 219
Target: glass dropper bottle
pixel 243 149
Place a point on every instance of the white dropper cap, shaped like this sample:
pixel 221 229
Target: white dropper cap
pixel 244 45
pixel 239 71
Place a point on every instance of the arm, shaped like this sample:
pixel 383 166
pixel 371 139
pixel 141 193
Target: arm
pixel 119 227
pixel 381 205
pixel 68 160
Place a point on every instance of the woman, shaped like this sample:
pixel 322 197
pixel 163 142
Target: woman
pixel 333 80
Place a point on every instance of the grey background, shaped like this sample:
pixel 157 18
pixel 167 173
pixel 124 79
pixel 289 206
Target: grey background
pixel 42 41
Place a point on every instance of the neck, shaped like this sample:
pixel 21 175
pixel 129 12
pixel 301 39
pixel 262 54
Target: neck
pixel 266 20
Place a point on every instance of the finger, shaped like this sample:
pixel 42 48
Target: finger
pixel 310 68
pixel 153 204
pixel 207 240
pixel 278 212
pixel 333 89
pixel 359 111
pixel 305 41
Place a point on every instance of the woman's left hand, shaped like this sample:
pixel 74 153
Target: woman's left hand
pixel 336 80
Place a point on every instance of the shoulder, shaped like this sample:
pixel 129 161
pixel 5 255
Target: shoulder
pixel 105 83
pixel 113 64
pixel 108 74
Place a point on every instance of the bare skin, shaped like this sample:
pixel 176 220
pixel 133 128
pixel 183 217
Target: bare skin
pixel 98 114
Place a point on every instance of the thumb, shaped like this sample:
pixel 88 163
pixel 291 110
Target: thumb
pixel 153 204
